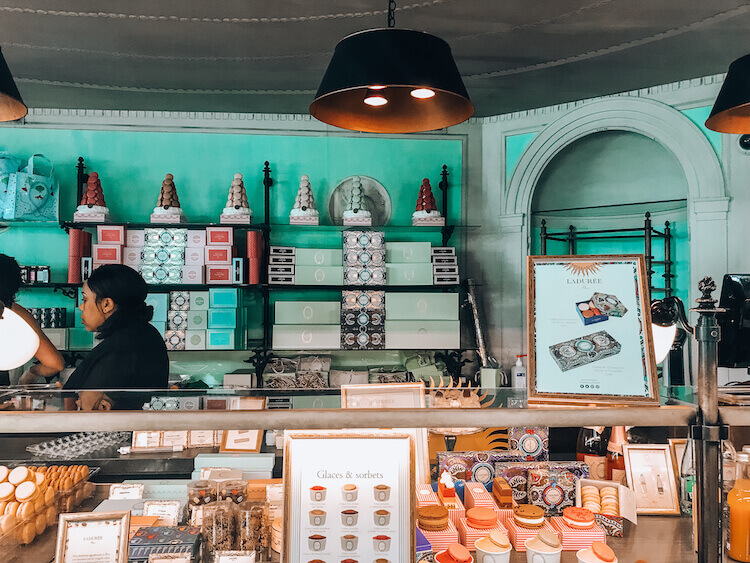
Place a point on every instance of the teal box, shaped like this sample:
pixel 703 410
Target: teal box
pixel 408 252
pixel 160 303
pixel 160 326
pixel 80 339
pixel 199 300
pixel 307 312
pixel 223 297
pixel 198 320
pixel 422 335
pixel 320 257
pixel 222 318
pixel 408 274
pixel 320 275
pixel 421 306
pixel 245 462
pixel 220 339
pixel 161 489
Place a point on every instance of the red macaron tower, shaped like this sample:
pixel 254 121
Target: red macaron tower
pixel 92 208
pixel 426 212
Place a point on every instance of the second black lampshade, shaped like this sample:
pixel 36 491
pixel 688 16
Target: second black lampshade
pixel 731 111
pixel 11 104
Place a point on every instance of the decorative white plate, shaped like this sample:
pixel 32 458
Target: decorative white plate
pixel 376 196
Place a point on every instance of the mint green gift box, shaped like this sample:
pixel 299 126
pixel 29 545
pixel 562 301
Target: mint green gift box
pixel 421 306
pixel 222 318
pixel 223 297
pixel 198 320
pixel 408 274
pixel 198 301
pixel 321 275
pixel 307 312
pixel 220 339
pixel 319 257
pixel 423 335
pixel 408 252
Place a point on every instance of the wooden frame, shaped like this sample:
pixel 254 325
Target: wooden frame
pixel 115 524
pixel 597 359
pixel 247 441
pixel 399 395
pixel 677 450
pixel 379 468
pixel 651 474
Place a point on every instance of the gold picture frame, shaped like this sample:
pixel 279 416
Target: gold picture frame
pixel 244 441
pixel 335 475
pixel 110 541
pixel 605 363
pixel 677 450
pixel 394 395
pixel 651 475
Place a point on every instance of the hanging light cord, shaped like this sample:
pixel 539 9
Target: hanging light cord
pixel 391 13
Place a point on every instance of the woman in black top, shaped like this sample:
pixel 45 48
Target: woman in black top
pixel 131 354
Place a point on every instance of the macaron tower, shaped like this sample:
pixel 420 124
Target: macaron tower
pixel 426 212
pixel 237 210
pixel 168 208
pixel 92 207
pixel 356 213
pixel 304 211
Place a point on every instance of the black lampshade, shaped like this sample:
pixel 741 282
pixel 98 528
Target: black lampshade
pixel 402 60
pixel 11 104
pixel 731 111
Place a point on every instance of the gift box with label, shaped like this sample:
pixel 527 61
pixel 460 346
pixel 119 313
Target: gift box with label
pixel 218 236
pixel 164 539
pixel 179 300
pixel 441 539
pixel 135 238
pixel 196 239
pixel 476 494
pixel 362 324
pixel 307 312
pixel 131 257
pixel 319 275
pixel 177 320
pixel 110 234
pixel 319 257
pixel 174 339
pixel 220 339
pixel 218 255
pixel 421 306
pixel 302 337
pixel 197 320
pixel 626 506
pixel 107 253
pixel 408 252
pixel 198 301
pixel 222 318
pixel 364 257
pixel 409 274
pixel 364 275
pixel 529 443
pixel 551 489
pixel 219 274
pixel 193 274
pixel 195 340
pixel 476 466
pixel 426 496
pixel 168 236
pixel 518 534
pixel 573 539
pixel 423 335
pixel 163 274
pixel 467 534
pixel 160 303
pixel 195 256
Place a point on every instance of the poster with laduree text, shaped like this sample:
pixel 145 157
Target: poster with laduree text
pixel 589 330
pixel 349 496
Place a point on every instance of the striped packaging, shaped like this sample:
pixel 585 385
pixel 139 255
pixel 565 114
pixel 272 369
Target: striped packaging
pixel 504 514
pixel 79 245
pixel 475 494
pixel 426 496
pixel 574 539
pixel 440 540
pixel 455 514
pixel 468 534
pixel 255 255
pixel 519 535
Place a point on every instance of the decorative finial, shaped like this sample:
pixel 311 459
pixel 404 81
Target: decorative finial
pixel 706 286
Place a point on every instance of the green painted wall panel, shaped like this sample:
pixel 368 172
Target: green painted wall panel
pixel 514 147
pixel 699 116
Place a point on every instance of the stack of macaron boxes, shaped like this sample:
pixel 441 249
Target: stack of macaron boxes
pixel 199 320
pixel 491 523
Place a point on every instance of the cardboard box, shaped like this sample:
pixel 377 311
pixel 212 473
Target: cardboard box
pixel 443 251
pixel 319 275
pixel 174 339
pixel 135 238
pixel 177 320
pixel 409 274
pixel 421 306
pixel 195 256
pixel 239 270
pixel 408 252
pixel 161 255
pixel 219 274
pixel 222 318
pixel 283 251
pixel 307 337
pixel 110 234
pixel 179 300
pixel 223 297
pixel 282 260
pixel 199 301
pixel 220 255
pixel 438 260
pixel 281 279
pixel 193 274
pixel 612 525
pixel 107 253
pixel 219 236
pixel 169 236
pixel 197 320
pixel 281 270
pixel 160 303
pixel 447 279
pixel 195 339
pixel 220 339
pixel 196 239
pixel 444 270
pixel 574 539
pixel 132 256
pixel 162 274
pixel 425 335
pixel 319 257
pixel 58 337
pixel 307 312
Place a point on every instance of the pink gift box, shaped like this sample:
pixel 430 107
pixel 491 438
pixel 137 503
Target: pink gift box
pixel 468 534
pixel 218 255
pixel 107 253
pixel 504 514
pixel 426 496
pixel 519 535
pixel 455 514
pixel 110 234
pixel 475 494
pixel 219 236
pixel 218 274
pixel 574 539
pixel 442 539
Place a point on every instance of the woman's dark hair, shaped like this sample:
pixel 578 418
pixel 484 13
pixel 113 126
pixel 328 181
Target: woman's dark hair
pixel 10 279
pixel 125 287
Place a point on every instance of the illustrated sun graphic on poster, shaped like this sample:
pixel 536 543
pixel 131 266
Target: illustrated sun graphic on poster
pixel 583 268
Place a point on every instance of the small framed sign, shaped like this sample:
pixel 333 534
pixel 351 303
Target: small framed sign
pixel 168 511
pixel 95 537
pixel 234 557
pixel 677 449
pixel 651 475
pixel 589 331
pixel 248 441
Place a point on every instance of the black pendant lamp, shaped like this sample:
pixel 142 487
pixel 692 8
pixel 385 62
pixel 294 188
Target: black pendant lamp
pixel 731 111
pixel 11 104
pixel 392 81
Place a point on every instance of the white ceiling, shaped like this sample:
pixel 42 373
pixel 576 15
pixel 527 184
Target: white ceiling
pixel 269 56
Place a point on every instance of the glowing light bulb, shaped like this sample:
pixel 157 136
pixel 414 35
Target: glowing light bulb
pixel 377 88
pixel 422 93
pixel 375 99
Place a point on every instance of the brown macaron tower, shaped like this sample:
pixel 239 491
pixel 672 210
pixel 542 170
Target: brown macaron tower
pixel 168 208
pixel 237 210
pixel 92 208
pixel 426 212
pixel 304 211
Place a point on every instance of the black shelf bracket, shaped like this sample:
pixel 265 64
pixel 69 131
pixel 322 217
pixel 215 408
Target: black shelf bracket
pixel 83 179
pixel 448 229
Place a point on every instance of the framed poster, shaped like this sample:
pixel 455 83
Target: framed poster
pixel 651 475
pixel 589 331
pixel 394 396
pixel 93 537
pixel 677 449
pixel 248 441
pixel 348 496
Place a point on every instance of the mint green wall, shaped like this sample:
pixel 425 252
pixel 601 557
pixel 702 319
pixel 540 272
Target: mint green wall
pixel 699 116
pixel 514 147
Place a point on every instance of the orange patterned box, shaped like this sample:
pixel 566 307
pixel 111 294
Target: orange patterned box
pixel 574 539
pixel 518 535
pixel 442 539
pixel 468 534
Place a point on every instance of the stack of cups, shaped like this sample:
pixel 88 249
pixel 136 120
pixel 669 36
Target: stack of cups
pixel 79 246
pixel 254 255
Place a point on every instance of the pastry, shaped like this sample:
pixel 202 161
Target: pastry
pixel 19 475
pixel 544 542
pixel 481 517
pixel 502 492
pixel 494 542
pixel 432 518
pixel 25 511
pixel 456 553
pixel 598 553
pixel 12 507
pixel 580 518
pixel 27 491
pixel 4 472
pixel 7 523
pixel 528 516
pixel 26 533
pixel 7 491
pixel 40 523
